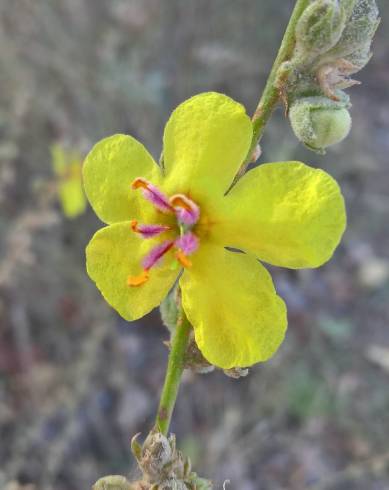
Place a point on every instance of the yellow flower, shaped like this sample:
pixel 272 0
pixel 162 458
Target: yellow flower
pixel 67 167
pixel 163 221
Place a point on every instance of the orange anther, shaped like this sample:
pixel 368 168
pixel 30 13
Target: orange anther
pixel 183 259
pixel 139 182
pixel 135 281
pixel 134 225
pixel 181 202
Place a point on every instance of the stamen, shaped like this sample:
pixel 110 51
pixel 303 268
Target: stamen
pixel 153 194
pixel 186 245
pixel 135 281
pixel 186 210
pixel 139 182
pixel 180 200
pixel 156 254
pixel 183 259
pixel 187 214
pixel 148 231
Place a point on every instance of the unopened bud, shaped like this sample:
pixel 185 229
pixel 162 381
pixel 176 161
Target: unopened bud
pixel 319 122
pixel 113 482
pixel 360 57
pixel 172 484
pixel 359 29
pixel 163 466
pixel 194 359
pixel 170 310
pixel 333 40
pixel 201 483
pixel 156 454
pixel 319 29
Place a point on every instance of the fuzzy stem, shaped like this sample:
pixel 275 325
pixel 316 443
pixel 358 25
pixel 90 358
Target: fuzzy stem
pixel 271 94
pixel 174 371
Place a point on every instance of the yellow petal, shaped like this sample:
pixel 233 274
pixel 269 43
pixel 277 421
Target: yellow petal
pixel 206 140
pixel 109 169
pixel 60 159
pixel 113 255
pixel 287 214
pixel 72 197
pixel 230 300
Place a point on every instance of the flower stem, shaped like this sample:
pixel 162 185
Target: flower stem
pixel 269 99
pixel 271 94
pixel 174 371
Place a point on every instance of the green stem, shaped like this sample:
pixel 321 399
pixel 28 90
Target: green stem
pixel 174 371
pixel 271 94
pixel 267 103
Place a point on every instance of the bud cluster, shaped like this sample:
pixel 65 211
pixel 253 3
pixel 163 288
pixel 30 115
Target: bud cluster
pixel 333 40
pixel 163 466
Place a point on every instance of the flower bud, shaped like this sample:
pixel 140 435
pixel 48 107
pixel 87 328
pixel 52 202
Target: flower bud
pixel 170 310
pixel 319 29
pixel 113 482
pixel 200 483
pixel 194 359
pixel 319 122
pixel 359 29
pixel 172 484
pixel 163 466
pixel 157 453
pixel 360 57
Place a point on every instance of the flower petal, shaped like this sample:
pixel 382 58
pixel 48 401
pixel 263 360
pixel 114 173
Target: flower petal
pixel 115 253
pixel 72 196
pixel 287 214
pixel 230 300
pixel 206 140
pixel 109 169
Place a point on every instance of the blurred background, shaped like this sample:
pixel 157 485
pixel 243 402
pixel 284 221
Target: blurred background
pixel 76 381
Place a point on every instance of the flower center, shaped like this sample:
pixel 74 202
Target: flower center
pixel 185 243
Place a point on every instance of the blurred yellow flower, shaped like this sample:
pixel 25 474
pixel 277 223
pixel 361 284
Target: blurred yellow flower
pixel 175 223
pixel 67 167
